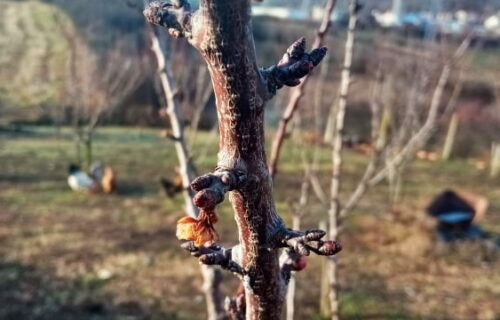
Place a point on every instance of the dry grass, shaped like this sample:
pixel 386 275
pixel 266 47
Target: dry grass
pixel 67 255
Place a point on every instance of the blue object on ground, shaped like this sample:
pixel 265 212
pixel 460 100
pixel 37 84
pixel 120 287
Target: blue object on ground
pixel 455 217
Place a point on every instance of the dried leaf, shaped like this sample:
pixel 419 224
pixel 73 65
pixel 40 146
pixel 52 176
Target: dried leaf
pixel 200 231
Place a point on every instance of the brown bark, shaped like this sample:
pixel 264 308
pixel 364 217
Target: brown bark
pixel 222 32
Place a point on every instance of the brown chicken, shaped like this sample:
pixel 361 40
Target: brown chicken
pixel 108 181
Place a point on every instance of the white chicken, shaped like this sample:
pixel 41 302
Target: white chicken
pixel 79 180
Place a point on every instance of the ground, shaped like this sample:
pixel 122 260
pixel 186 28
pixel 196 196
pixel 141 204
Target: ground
pixel 68 255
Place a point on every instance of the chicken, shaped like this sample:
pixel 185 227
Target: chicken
pixel 108 181
pixel 100 179
pixel 172 187
pixel 81 181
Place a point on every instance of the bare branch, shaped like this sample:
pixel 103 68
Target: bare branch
pixel 295 64
pixel 452 102
pixel 426 130
pixel 310 240
pixel 214 255
pixel 298 91
pixel 211 276
pixel 337 158
pixel 371 177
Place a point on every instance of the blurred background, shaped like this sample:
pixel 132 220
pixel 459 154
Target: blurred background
pixel 79 85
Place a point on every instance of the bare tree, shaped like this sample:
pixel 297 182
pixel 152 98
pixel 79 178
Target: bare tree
pixel 98 85
pixel 211 276
pixel 222 32
pixel 385 157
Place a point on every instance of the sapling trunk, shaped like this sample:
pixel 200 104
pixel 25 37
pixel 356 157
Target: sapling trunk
pixel 221 31
pixel 211 277
pixel 450 137
pixel 495 160
pixel 340 111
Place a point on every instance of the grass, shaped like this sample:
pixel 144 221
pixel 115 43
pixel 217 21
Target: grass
pixel 69 255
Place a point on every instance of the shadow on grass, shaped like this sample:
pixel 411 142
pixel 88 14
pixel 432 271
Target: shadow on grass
pixel 154 241
pixel 29 293
pixel 28 178
pixel 368 297
pixel 131 189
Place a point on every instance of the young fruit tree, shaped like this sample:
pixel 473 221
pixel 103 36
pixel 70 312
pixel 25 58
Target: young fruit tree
pixel 211 276
pixel 222 32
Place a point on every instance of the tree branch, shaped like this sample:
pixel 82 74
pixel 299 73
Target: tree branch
pixel 174 15
pixel 211 276
pixel 210 189
pixel 298 91
pixel 214 254
pixel 337 157
pixel 295 64
pixel 304 242
pixel 425 131
pixel 371 177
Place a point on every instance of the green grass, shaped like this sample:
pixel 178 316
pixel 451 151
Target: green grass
pixel 69 255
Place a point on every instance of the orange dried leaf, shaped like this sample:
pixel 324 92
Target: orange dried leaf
pixel 199 231
pixel 186 228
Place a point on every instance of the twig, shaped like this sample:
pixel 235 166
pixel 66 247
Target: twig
pixel 426 130
pixel 214 255
pixel 298 91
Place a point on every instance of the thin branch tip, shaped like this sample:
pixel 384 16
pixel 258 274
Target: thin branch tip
pixel 295 64
pixel 310 241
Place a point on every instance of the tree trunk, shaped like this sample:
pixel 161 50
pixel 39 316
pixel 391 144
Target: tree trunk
pixel 229 51
pixel 450 137
pixel 495 160
pixel 334 214
pixel 77 140
pixel 172 110
pixel 88 150
pixel 221 31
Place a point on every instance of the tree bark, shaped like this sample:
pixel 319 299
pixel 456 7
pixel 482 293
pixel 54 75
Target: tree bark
pixel 227 47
